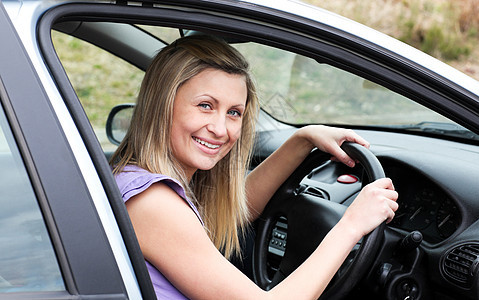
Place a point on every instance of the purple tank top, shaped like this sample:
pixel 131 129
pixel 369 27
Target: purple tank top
pixel 134 180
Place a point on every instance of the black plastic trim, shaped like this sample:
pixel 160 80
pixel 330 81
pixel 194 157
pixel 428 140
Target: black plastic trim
pixel 85 256
pixel 37 187
pixel 94 149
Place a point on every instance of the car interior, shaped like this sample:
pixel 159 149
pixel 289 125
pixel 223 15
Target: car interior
pixel 415 130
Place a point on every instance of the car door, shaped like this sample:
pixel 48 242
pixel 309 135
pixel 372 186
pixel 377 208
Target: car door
pixel 52 241
pixel 359 60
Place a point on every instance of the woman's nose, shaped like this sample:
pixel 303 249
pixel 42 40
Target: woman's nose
pixel 217 126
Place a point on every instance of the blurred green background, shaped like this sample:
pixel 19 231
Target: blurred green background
pixel 445 29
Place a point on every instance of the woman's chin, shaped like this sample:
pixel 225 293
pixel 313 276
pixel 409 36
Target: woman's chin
pixel 207 167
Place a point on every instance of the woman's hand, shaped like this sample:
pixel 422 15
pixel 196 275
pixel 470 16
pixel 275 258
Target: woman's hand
pixel 266 178
pixel 375 204
pixel 330 139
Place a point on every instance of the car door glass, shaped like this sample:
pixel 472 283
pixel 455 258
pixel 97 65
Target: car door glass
pixel 100 79
pixel 27 259
pixel 299 90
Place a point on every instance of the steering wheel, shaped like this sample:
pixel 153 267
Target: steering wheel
pixel 309 219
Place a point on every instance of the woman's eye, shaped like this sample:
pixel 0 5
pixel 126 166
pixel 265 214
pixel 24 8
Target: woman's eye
pixel 234 113
pixel 204 105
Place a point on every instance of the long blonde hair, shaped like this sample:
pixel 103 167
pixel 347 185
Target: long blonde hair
pixel 219 193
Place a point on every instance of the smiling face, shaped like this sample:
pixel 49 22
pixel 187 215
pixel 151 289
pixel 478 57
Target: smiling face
pixel 207 118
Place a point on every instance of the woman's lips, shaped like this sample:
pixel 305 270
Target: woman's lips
pixel 209 147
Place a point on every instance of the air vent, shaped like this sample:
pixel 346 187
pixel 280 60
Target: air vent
pixel 460 264
pixel 316 192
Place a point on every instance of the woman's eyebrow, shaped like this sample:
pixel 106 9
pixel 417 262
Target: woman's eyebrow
pixel 242 106
pixel 209 96
pixel 216 101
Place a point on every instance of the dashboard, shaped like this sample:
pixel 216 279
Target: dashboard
pixel 423 205
pixel 435 195
pixel 437 182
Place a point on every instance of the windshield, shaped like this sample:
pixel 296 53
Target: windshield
pixel 298 90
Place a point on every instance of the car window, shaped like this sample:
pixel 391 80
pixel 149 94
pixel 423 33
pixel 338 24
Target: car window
pixel 165 34
pixel 292 88
pixel 101 80
pixel 299 90
pixel 27 259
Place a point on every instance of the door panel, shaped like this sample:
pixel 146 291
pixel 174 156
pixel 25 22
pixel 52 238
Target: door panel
pixel 81 247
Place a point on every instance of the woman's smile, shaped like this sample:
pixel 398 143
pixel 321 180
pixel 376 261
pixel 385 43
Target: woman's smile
pixel 209 145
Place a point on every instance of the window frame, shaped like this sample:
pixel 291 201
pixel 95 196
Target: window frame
pixel 295 34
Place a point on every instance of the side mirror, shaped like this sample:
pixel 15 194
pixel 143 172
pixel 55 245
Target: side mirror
pixel 118 122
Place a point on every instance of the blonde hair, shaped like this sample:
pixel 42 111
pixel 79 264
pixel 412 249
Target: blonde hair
pixel 219 193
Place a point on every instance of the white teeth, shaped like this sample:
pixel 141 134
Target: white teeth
pixel 206 143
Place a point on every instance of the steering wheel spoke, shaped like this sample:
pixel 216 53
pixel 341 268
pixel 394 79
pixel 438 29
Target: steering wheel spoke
pixel 309 221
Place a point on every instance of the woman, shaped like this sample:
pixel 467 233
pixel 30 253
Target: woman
pixel 182 172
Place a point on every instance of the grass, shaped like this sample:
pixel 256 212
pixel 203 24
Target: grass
pixel 445 29
pixel 99 80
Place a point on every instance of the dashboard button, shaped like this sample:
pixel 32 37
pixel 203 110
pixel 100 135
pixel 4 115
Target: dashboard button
pixel 347 179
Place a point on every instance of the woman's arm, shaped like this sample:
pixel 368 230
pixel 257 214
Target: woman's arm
pixel 376 203
pixel 174 241
pixel 266 178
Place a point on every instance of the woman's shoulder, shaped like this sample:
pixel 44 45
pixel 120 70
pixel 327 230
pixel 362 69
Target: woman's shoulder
pixel 134 180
